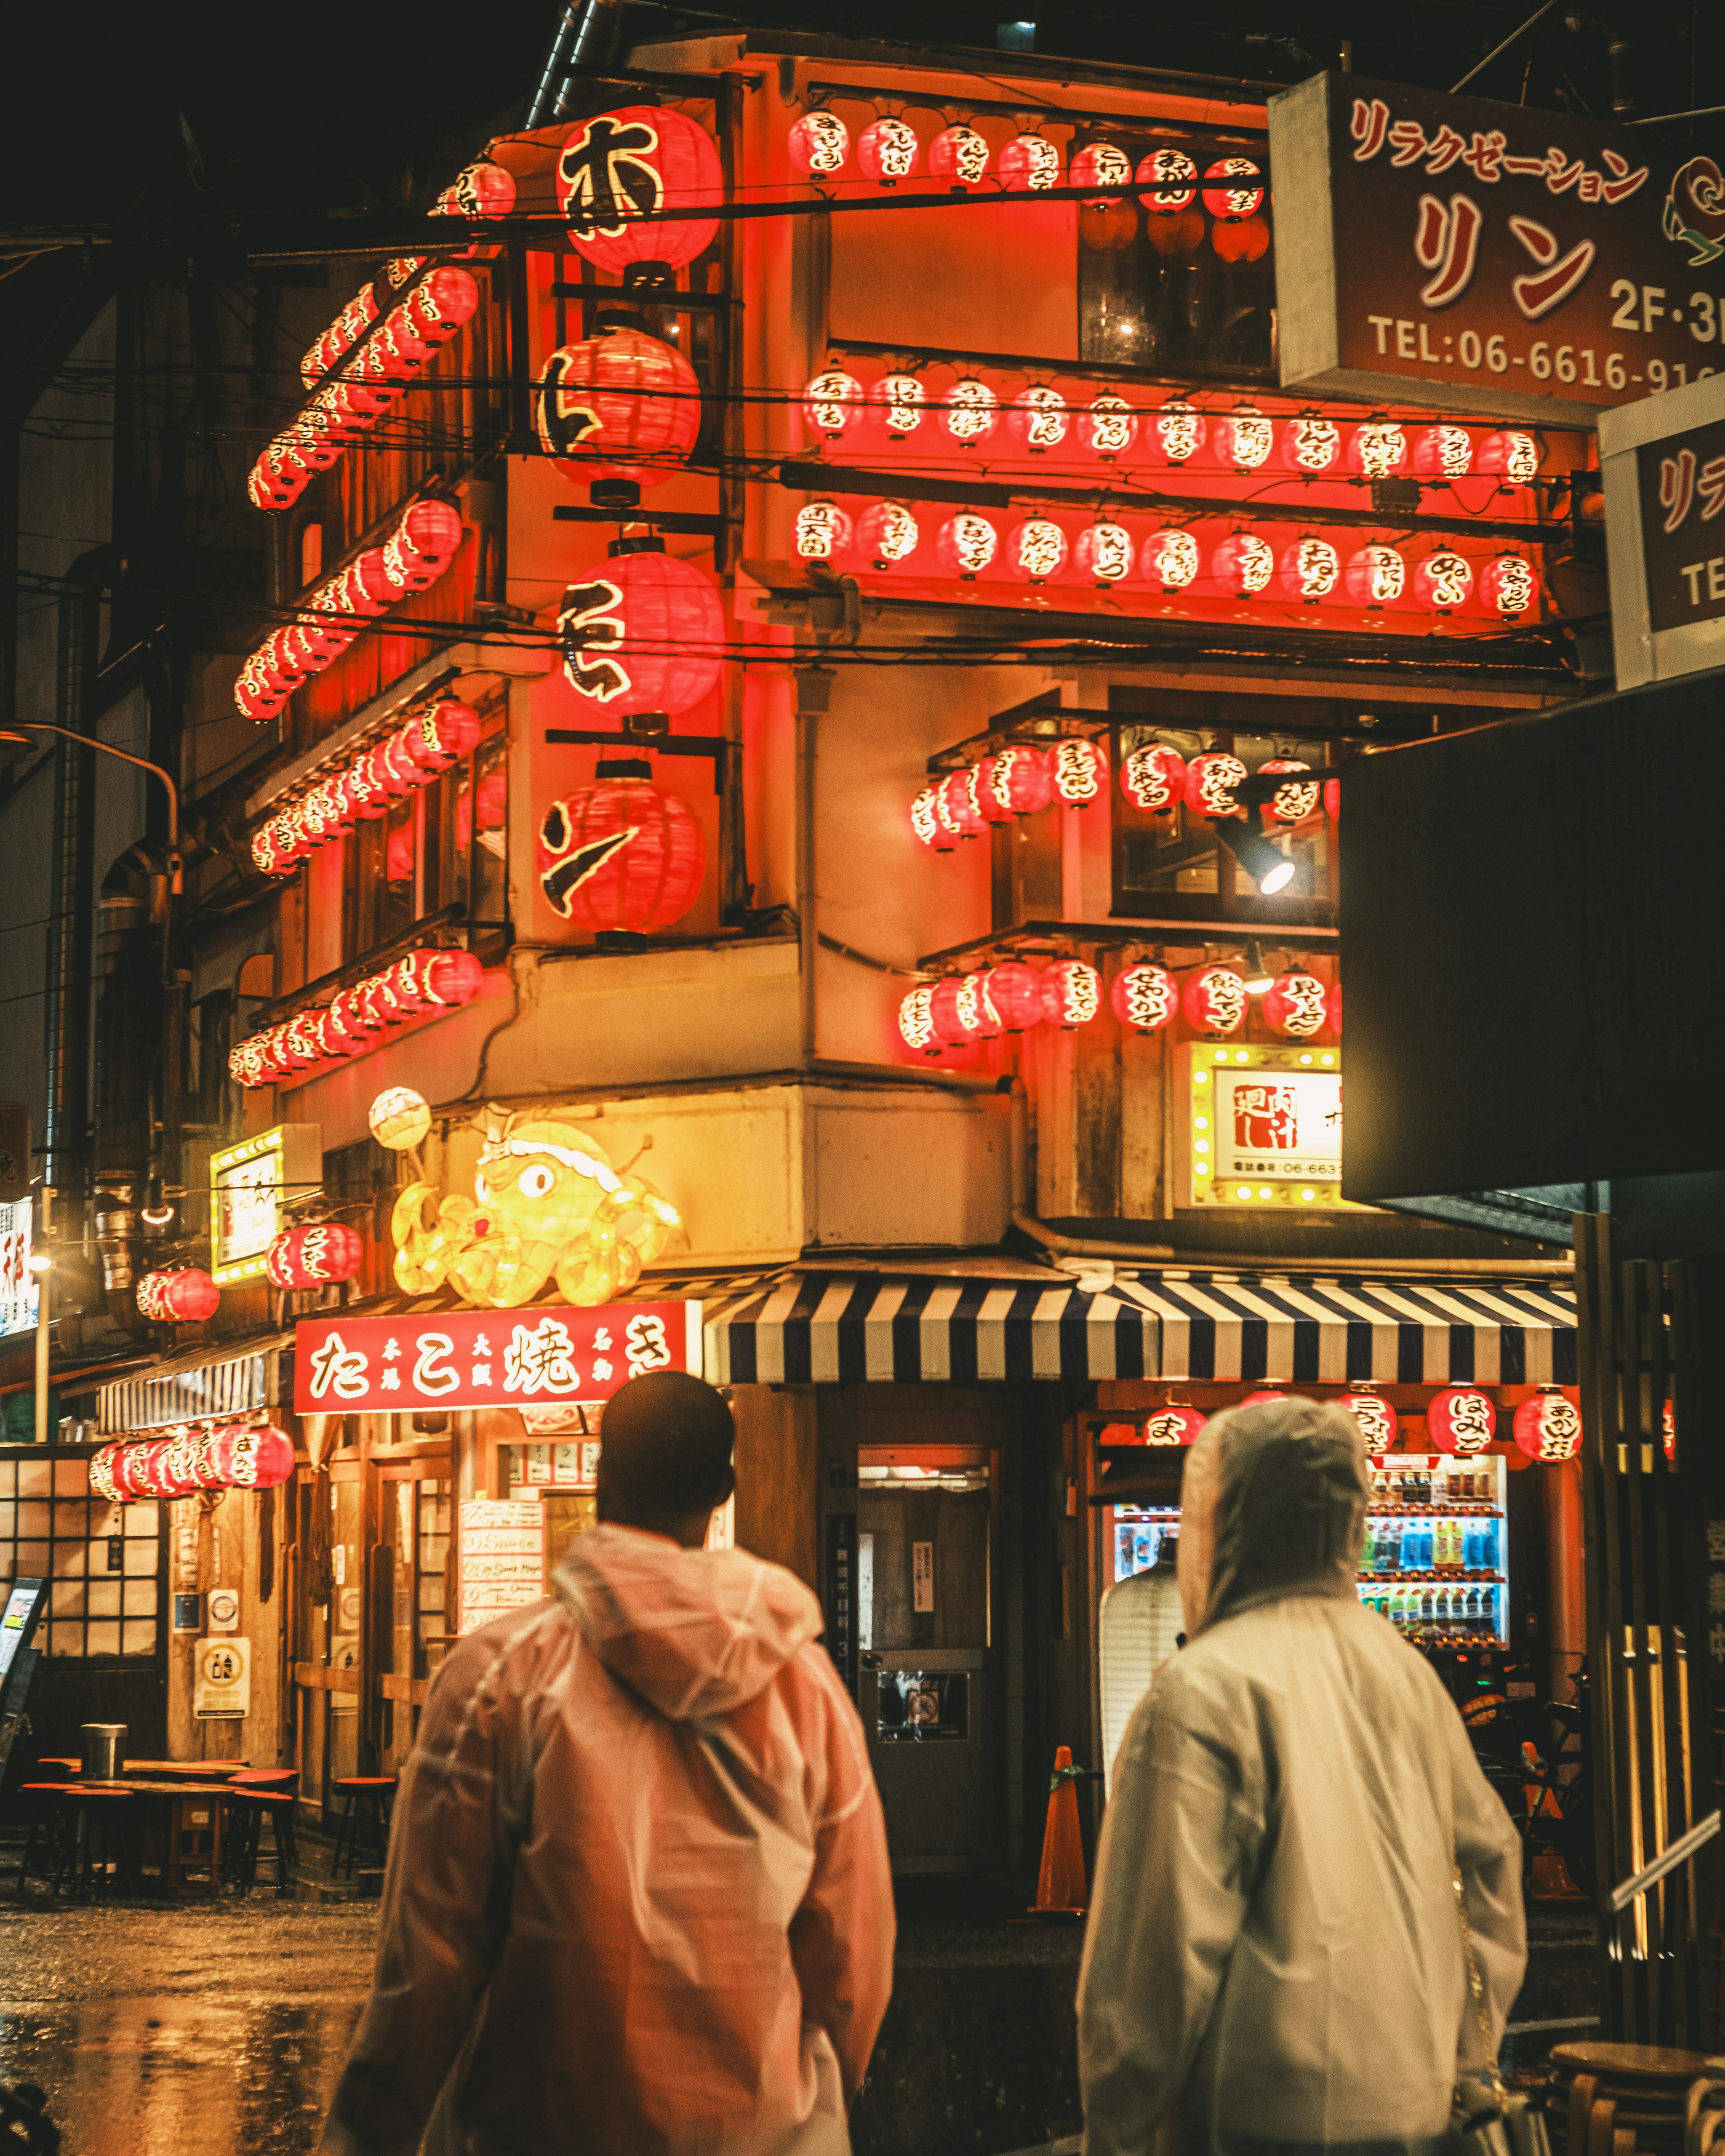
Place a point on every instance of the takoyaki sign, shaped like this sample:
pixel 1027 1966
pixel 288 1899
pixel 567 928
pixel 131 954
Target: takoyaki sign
pixel 488 1358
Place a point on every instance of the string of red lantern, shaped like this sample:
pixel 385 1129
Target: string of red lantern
pixel 361 789
pixel 422 983
pixel 190 1457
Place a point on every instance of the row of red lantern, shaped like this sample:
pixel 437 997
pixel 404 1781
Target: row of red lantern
pixel 363 787
pixel 422 982
pixel 364 387
pixel 972 414
pixel 1022 778
pixel 1306 570
pixel 1459 1420
pixel 185 1296
pixel 620 405
pixel 646 635
pixel 412 559
pixel 964 1009
pixel 190 1458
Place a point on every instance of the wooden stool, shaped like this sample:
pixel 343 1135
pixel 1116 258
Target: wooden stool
pixel 193 1865
pixel 367 1802
pixel 97 1848
pixel 46 1821
pixel 263 1793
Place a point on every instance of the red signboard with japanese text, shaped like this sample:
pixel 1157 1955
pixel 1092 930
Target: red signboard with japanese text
pixel 488 1358
pixel 1682 489
pixel 1488 257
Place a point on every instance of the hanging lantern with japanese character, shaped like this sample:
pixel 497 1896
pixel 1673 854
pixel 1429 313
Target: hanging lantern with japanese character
pixel 1028 162
pixel 1036 550
pixel 1299 798
pixel 1461 1419
pixel 1179 431
pixel 1379 450
pixel 824 531
pixel 1079 769
pixel 1243 564
pixel 1234 188
pixel 1017 779
pixel 190 1457
pixel 1212 781
pixel 1510 455
pixel 1072 993
pixel 1172 178
pixel 1242 439
pixel 818 144
pixel 1173 1425
pixel 623 406
pixel 1015 991
pixel 1104 552
pixel 313 1256
pixel 959 154
pixel 1548 1426
pixel 622 855
pixel 926 821
pixel 1378 1423
pixel 1508 586
pixel 954 806
pixel 887 535
pixel 1443 580
pixel 1153 778
pixel 1100 165
pixel 1170 559
pixel 645 634
pixel 888 151
pixel 833 402
pixel 1294 1005
pixel 1443 452
pixel 972 412
pixel 965 544
pixel 1215 1000
pixel 1110 426
pixel 916 1025
pixel 951 1012
pixel 642 161
pixel 1311 446
pixel 1144 996
pixel 185 1298
pixel 1376 576
pixel 1037 419
pixel 896 405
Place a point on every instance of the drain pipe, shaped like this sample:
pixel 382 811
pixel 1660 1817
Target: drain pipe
pixel 814 697
pixel 587 37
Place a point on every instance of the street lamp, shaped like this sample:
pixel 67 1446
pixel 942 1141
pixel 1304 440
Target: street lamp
pixel 17 737
pixel 41 1265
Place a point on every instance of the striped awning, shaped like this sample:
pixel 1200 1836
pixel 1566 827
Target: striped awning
pixel 840 1328
pixel 190 1390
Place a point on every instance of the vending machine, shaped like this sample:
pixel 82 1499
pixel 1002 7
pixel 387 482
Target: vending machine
pixel 1434 1561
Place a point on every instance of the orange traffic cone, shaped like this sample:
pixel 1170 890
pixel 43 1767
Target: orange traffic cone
pixel 1062 1887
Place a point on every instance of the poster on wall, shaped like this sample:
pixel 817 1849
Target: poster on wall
pixel 1456 252
pixel 18 1283
pixel 221 1680
pixel 501 1557
pixel 248 1184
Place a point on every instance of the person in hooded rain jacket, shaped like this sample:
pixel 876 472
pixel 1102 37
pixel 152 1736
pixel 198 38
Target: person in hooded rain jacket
pixel 1275 1960
pixel 637 1900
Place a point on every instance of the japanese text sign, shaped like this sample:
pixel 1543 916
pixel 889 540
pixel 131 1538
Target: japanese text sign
pixel 488 1358
pixel 1485 257
pixel 1263 1126
pixel 248 1184
pixel 1664 467
pixel 501 1559
pixel 18 1283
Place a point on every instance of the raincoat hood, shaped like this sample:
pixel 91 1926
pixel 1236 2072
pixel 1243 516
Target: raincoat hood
pixel 1273 1503
pixel 695 1633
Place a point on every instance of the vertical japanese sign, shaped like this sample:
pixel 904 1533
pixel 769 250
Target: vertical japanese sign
pixel 502 1558
pixel 1483 257
pixel 1664 467
pixel 841 1594
pixel 18 1283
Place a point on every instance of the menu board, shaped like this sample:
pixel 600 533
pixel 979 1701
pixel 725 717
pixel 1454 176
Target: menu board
pixel 502 1558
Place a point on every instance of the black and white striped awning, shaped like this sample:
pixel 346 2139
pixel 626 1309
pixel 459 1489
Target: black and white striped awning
pixel 844 1328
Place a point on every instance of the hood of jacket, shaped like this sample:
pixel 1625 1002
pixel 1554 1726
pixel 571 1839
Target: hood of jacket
pixel 694 1632
pixel 1272 1503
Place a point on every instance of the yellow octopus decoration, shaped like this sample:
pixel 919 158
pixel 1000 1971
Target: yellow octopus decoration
pixel 547 1202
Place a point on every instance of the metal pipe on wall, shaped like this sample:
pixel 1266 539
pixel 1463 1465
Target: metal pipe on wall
pixel 66 1000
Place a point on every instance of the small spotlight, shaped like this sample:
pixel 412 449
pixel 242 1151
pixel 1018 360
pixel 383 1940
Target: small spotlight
pixel 1267 865
pixel 1258 975
pixel 40 1262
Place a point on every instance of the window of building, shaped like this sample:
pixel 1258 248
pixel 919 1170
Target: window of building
pixel 102 1561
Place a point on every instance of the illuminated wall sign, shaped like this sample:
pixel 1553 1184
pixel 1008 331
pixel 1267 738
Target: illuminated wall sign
pixel 1261 1126
pixel 488 1358
pixel 1454 251
pixel 1664 466
pixel 18 1283
pixel 247 1183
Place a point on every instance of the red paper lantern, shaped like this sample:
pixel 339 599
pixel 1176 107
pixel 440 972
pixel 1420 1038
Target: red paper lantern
pixel 1212 783
pixel 1461 1419
pixel 480 189
pixel 959 154
pixel 641 161
pixel 437 738
pixel 1332 805
pixel 972 413
pixel 1029 162
pixel 1379 450
pixel 975 1009
pixel 1017 778
pixel 421 547
pixel 888 151
pixel 1242 439
pixel 185 1298
pixel 824 531
pixel 1234 187
pixel 833 402
pixel 1443 580
pixel 1376 576
pixel 948 1017
pixel 1311 446
pixel 618 407
pixel 1176 235
pixel 1244 239
pixel 1153 778
pixel 1104 552
pixel 1294 1005
pixel 1036 550
pixel 925 823
pixel 896 405
pixel 1178 431
pixel 190 1458
pixel 1215 1000
pixel 1110 426
pixel 1102 165
pixel 1015 991
pixel 430 980
pixel 1443 452
pixel 1144 996
pixel 818 143
pixel 1378 1420
pixel 1548 1426
pixel 1509 586
pixel 1072 993
pixel 1243 564
pixel 887 535
pixel 311 1257
pixel 992 807
pixel 1172 178
pixel 915 1026
pixel 1037 419
pixel 1298 799
pixel 1079 770
pixel 1267 1397
pixel 646 635
pixel 1311 570
pixel 1169 559
pixel 621 854
pixel 965 544
pixel 1172 1426
pixel 954 806
pixel 1510 455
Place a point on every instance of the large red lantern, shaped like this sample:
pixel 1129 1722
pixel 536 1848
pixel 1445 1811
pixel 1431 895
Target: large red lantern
pixel 1377 1419
pixel 1037 419
pixel 1376 576
pixel 965 544
pixel 1379 450
pixel 992 807
pixel 1169 559
pixel 1443 580
pixel 1548 1426
pixel 1509 586
pixel 887 534
pixel 1234 187
pixel 438 738
pixel 1172 1426
pixel 951 1013
pixel 1036 550
pixel 1100 165
pixel 1243 564
pixel 972 413
pixel 959 154
pixel 833 402
pixel 1242 439
pixel 1079 769
pixel 1215 1000
pixel 1178 431
pixel 1104 552
pixel 646 635
pixel 818 143
pixel 1144 997
pixel 956 806
pixel 888 151
pixel 1028 162
pixel 1212 781
pixel 1015 991
pixel 1512 455
pixel 1299 798
pixel 640 161
pixel 186 1297
pixel 1267 1396
pixel 1311 446
pixel 421 547
pixel 1241 239
pixel 1172 178
pixel 1461 1419
pixel 1072 993
pixel 926 821
pixel 190 1458
pixel 1443 452
pixel 974 1009
pixel 618 407
pixel 313 1256
pixel 1295 1006
pixel 1110 426
pixel 622 855
pixel 1153 778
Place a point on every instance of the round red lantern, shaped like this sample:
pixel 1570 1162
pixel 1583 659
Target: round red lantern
pixel 887 535
pixel 1173 1425
pixel 824 531
pixel 1311 446
pixel 623 406
pixel 992 807
pixel 1376 577
pixel 1029 162
pixel 1234 187
pixel 966 544
pixel 1172 178
pixel 925 823
pixel 1079 772
pixel 1015 991
pixel 975 1009
pixel 1298 799
pixel 1100 165
pixel 1378 1420
pixel 1443 580
pixel 1016 779
pixel 185 1298
pixel 438 737
pixel 1037 419
pixel 1179 431
pixel 896 405
pixel 1443 452
pixel 1153 778
pixel 1243 564
pixel 1144 996
pixel 622 854
pixel 953 804
pixel 1110 426
pixel 832 402
pixel 427 981
pixel 972 412
pixel 641 161
pixel 948 1013
pixel 1510 455
pixel 818 143
pixel 915 1026
pixel 1072 993
pixel 1104 552
pixel 313 1256
pixel 1332 806
pixel 959 154
pixel 887 151
pixel 1461 1419
pixel 1215 1000
pixel 1509 585
pixel 1036 550
pixel 480 189
pixel 1170 559
pixel 646 634
pixel 1242 439
pixel 1379 450
pixel 1548 1426
pixel 1212 783
pixel 1294 1005
pixel 1267 1397
pixel 421 547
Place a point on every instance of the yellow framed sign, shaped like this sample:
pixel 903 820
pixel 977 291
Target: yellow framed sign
pixel 1259 1126
pixel 248 1184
